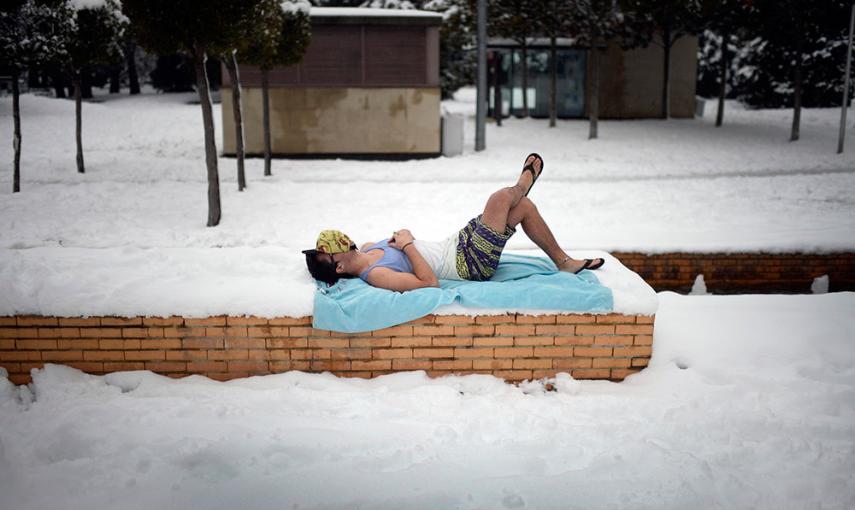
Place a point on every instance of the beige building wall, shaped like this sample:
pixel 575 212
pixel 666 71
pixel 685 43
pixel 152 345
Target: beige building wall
pixel 631 81
pixel 337 120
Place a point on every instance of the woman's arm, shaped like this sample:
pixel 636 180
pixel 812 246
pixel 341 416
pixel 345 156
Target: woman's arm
pixel 403 240
pixel 386 278
pixel 422 275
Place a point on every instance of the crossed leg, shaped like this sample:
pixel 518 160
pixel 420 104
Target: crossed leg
pixel 509 206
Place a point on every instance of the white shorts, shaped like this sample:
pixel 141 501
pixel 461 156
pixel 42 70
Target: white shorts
pixel 441 256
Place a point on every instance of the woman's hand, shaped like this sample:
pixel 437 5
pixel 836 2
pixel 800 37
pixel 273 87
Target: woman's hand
pixel 401 238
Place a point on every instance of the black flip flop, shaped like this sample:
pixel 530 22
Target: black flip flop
pixel 591 265
pixel 530 167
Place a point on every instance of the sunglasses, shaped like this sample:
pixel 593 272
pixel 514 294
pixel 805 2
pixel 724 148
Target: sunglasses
pixel 332 258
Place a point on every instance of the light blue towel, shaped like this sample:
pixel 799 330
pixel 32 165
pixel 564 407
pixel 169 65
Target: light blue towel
pixel 521 282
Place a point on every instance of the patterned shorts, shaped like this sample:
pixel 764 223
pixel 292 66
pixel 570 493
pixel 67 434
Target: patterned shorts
pixel 479 248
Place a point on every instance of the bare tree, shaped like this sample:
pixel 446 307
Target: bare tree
pixel 94 39
pixel 516 20
pixel 230 61
pixel 799 28
pixel 726 18
pixel 30 34
pixel 554 19
pixel 595 23
pixel 279 38
pixel 228 55
pixel 167 26
pixel 663 23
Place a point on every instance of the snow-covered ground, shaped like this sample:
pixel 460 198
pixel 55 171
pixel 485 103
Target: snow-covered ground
pixel 749 402
pixel 644 185
pixel 133 227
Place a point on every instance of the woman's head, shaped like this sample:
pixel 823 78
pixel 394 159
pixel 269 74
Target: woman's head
pixel 331 258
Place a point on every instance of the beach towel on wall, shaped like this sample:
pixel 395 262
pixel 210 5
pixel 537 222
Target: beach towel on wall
pixel 521 282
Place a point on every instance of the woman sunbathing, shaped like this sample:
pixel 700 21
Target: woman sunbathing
pixel 404 263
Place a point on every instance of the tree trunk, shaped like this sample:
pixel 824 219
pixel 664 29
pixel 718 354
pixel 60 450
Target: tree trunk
pixel 78 119
pixel 16 140
pixel 797 96
pixel 115 78
pixel 131 57
pixel 525 78
pixel 86 83
pixel 553 70
pixel 497 90
pixel 594 109
pixel 34 77
pixel 725 37
pixel 265 106
pixel 199 58
pixel 58 82
pixel 666 78
pixel 237 112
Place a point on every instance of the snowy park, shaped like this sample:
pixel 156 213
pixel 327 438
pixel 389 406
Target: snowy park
pixel 136 219
pixel 645 185
pixel 747 402
pixel 164 344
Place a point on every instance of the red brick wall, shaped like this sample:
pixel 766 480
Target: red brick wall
pixel 742 272
pixel 513 346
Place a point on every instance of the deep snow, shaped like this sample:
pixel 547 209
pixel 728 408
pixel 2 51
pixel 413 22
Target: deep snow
pixel 132 229
pixel 749 402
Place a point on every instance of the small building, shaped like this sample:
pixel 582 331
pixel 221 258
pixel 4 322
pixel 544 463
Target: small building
pixel 630 80
pixel 368 84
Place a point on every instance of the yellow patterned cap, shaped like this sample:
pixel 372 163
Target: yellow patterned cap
pixel 334 241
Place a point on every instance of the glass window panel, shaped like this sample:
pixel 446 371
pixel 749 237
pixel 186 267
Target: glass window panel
pixel 571 76
pixel 570 82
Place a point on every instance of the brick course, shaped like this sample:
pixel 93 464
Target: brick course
pixel 728 273
pixel 510 346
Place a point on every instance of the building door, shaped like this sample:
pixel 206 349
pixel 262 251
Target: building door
pixel 570 82
pixel 571 74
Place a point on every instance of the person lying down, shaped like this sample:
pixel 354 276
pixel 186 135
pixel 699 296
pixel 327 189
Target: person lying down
pixel 403 263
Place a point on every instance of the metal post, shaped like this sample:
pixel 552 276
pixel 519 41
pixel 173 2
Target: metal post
pixel 843 108
pixel 497 89
pixel 481 97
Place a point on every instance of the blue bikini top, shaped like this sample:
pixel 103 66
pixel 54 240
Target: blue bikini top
pixel 393 258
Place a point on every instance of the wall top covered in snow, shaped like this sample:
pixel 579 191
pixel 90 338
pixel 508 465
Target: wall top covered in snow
pixel 265 282
pixel 632 295
pixel 358 15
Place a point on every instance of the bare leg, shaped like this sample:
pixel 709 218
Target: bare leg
pixel 501 202
pixel 509 206
pixel 537 230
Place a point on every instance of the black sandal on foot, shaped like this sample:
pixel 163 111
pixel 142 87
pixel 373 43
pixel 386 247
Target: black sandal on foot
pixel 591 265
pixel 530 168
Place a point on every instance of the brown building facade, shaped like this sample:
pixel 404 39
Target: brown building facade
pixel 630 80
pixel 368 84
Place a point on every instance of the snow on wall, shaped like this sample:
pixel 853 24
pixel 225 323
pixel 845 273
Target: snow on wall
pixel 266 282
pixel 318 12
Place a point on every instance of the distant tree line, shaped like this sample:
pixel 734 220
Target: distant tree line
pixel 768 53
pixel 760 70
pixel 778 53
